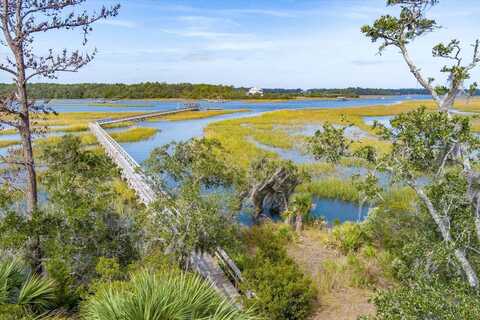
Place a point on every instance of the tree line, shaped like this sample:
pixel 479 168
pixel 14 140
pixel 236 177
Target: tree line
pixel 162 90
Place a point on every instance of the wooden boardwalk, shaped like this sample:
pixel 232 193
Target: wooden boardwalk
pixel 204 264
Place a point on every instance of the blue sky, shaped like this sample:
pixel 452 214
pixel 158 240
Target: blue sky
pixel 277 43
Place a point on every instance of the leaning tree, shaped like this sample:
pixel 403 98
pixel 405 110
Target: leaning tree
pixel 20 22
pixel 411 24
pixel 440 145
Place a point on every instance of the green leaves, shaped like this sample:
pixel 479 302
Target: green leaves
pixel 428 300
pixel 398 31
pixel 162 296
pixel 21 290
pixel 330 143
pixel 282 291
pixel 425 141
pixel 199 160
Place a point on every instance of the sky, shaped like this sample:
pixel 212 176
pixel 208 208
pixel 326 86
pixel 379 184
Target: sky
pixel 269 44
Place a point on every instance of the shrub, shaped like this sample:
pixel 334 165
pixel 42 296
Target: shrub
pixel 282 290
pixel 348 237
pixel 166 295
pixel 424 300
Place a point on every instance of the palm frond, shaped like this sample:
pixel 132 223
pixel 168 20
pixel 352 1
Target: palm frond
pixel 163 296
pixel 36 292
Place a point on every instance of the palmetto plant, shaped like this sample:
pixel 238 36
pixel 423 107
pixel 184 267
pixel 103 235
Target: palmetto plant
pixel 301 206
pixel 161 296
pixel 23 295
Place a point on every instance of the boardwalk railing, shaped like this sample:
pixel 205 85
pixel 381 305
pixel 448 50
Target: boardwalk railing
pixel 204 264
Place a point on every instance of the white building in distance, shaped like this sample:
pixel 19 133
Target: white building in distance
pixel 255 91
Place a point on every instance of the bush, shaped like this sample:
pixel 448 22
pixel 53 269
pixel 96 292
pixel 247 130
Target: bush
pixel 348 237
pixel 428 301
pixel 165 295
pixel 282 290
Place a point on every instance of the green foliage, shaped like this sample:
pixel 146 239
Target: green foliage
pixel 23 294
pixel 281 290
pixel 428 300
pixel 349 237
pixel 161 296
pixel 422 141
pixel 330 143
pixel 332 188
pixel 84 219
pixel 403 29
pixel 198 161
pixel 189 222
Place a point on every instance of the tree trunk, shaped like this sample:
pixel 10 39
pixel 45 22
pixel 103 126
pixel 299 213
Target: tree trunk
pixel 460 254
pixel 299 223
pixel 34 252
pixel 27 151
pixel 467 267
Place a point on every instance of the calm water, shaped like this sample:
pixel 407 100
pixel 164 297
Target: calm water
pixel 383 120
pixel 146 106
pixel 184 130
pixel 332 210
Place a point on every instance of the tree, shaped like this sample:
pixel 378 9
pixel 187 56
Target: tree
pixel 197 215
pixel 199 161
pixel 300 208
pixel 85 219
pixel 189 222
pixel 455 143
pixel 20 22
pixel 411 24
pixel 162 296
pixel 424 143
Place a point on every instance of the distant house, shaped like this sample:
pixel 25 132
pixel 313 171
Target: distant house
pixel 255 92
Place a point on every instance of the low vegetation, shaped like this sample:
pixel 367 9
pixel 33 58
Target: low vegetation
pixel 134 134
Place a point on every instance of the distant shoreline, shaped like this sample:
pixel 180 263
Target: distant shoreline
pixel 111 102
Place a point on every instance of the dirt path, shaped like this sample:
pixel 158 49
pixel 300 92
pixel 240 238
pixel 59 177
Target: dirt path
pixel 337 299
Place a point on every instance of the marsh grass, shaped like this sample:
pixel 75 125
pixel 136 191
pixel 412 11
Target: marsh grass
pixel 135 134
pixel 331 188
pixel 275 128
pixel 8 143
pixel 78 118
pixel 8 131
pixel 192 115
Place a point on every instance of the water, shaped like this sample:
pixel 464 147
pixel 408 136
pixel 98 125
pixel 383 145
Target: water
pixel 184 130
pixel 87 105
pixel 332 210
pixel 384 120
pixel 287 154
pixel 170 131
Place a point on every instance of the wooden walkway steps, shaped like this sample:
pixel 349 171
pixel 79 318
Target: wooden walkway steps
pixel 204 264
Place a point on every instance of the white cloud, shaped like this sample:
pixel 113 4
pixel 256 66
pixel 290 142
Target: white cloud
pixel 119 23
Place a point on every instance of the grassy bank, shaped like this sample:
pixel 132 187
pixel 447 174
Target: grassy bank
pixel 192 115
pixel 135 134
pixel 332 188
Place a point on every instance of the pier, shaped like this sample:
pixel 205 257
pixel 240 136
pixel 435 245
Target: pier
pixel 204 264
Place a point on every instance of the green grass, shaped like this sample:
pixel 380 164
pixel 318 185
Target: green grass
pixel 192 115
pixel 8 131
pixel 118 125
pixel 332 188
pixel 135 134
